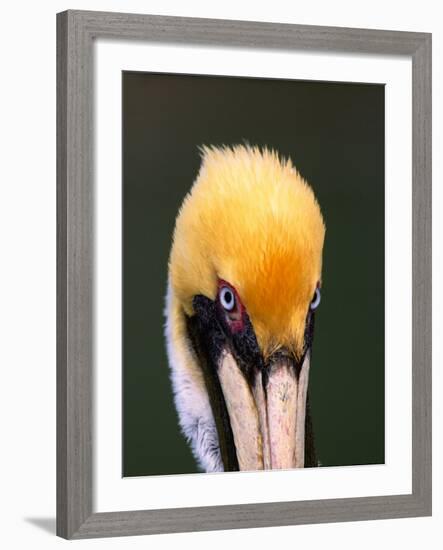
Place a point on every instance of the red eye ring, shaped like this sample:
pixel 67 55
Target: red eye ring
pixel 231 306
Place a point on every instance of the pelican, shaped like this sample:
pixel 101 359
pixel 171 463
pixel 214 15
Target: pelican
pixel 243 285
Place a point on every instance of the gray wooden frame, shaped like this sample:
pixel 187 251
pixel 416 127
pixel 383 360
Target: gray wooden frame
pixel 76 31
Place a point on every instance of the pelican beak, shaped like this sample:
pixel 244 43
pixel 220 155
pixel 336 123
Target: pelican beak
pixel 268 416
pixel 260 407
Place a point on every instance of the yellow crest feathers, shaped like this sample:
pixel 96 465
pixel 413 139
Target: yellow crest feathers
pixel 253 221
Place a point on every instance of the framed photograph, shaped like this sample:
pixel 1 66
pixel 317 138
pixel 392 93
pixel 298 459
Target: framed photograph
pixel 243 274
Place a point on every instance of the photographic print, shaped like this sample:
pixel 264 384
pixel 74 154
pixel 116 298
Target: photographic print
pixel 243 274
pixel 253 274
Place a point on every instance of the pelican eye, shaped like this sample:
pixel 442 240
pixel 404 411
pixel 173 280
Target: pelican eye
pixel 227 298
pixel 316 299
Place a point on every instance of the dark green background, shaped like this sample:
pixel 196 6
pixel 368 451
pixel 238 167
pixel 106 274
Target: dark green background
pixel 334 133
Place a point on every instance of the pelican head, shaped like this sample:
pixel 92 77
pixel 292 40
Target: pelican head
pixel 244 283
